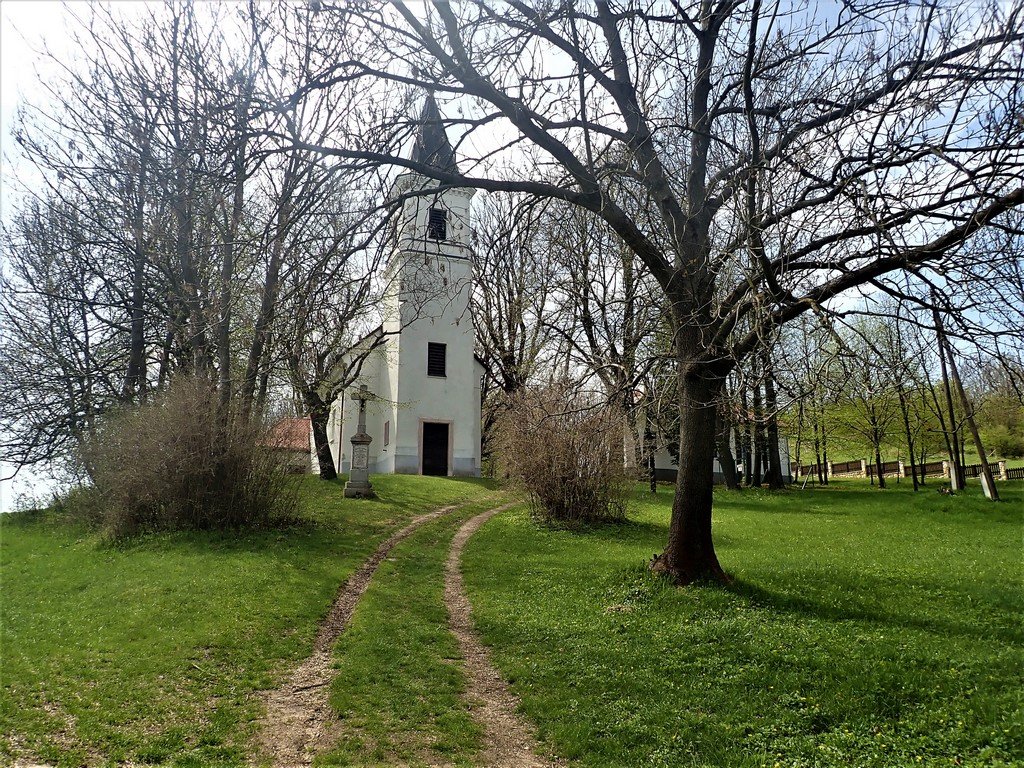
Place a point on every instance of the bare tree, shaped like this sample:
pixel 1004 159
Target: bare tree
pixel 608 312
pixel 873 109
pixel 511 299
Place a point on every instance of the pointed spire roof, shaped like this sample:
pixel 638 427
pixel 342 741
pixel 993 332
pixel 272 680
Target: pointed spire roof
pixel 432 146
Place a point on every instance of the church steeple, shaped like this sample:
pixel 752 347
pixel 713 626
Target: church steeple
pixel 432 146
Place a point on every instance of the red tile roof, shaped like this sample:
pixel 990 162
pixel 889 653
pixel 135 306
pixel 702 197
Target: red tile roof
pixel 290 434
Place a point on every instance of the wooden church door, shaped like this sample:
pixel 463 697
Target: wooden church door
pixel 435 448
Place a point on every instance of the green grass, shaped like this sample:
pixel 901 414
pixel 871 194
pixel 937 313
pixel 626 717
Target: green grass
pixel 155 651
pixel 399 682
pixel 865 628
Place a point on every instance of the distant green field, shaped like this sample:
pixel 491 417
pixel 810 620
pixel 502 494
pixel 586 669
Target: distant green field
pixel 865 628
pixel 154 651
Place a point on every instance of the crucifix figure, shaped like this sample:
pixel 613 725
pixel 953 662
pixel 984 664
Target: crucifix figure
pixel 358 485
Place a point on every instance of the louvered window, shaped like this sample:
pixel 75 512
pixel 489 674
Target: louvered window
pixel 437 224
pixel 436 354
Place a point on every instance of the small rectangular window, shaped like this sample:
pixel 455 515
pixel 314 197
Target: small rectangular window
pixel 387 432
pixel 437 224
pixel 436 354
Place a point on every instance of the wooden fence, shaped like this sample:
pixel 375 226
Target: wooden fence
pixel 847 467
pixel 807 469
pixel 864 468
pixel 889 469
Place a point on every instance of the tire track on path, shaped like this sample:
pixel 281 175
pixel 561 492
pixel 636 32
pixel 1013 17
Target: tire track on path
pixel 509 741
pixel 298 713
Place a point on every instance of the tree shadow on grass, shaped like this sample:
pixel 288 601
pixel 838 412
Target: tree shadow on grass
pixel 808 607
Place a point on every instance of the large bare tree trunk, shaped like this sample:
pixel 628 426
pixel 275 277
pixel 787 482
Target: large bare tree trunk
pixel 319 413
pixel 987 480
pixel 690 553
pixel 725 457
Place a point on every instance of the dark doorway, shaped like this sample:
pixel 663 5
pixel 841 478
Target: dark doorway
pixel 435 448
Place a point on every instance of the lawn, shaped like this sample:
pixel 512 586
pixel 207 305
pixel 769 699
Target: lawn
pixel 864 628
pixel 154 652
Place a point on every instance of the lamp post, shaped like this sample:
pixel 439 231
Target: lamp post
pixel 358 485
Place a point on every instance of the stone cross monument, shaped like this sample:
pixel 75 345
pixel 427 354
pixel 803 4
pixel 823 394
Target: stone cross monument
pixel 358 485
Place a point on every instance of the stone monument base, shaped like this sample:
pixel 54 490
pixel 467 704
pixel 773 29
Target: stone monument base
pixel 359 491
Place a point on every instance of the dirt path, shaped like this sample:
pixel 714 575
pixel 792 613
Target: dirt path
pixel 296 726
pixel 510 742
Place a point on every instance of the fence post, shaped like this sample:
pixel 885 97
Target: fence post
pixel 945 469
pixel 1002 470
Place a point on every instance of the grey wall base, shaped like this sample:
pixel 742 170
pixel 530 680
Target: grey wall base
pixel 465 468
pixel 409 464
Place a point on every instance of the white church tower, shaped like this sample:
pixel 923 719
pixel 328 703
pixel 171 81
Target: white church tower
pixel 424 415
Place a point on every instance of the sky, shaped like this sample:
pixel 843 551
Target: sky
pixel 23 24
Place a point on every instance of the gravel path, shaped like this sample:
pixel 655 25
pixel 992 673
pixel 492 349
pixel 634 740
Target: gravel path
pixel 298 715
pixel 509 741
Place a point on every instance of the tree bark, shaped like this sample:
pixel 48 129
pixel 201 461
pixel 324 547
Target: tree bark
pixel 725 457
pixel 135 376
pixel 230 253
pixel 775 481
pixel 649 451
pixel 757 474
pixel 907 433
pixel 319 413
pixel 745 440
pixel 956 475
pixel 878 467
pixel 690 553
pixel 989 483
pixel 252 384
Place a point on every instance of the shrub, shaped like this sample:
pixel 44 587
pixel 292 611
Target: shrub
pixel 177 463
pixel 1005 443
pixel 82 503
pixel 567 453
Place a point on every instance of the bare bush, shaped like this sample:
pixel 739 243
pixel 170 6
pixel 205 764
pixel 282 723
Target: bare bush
pixel 180 463
pixel 567 453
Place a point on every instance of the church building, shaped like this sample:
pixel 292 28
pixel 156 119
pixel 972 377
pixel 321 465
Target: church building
pixel 423 410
